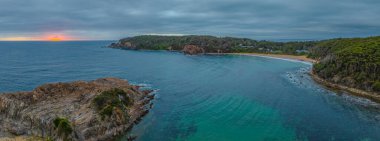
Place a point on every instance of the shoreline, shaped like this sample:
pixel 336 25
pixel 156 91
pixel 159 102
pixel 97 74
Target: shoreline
pixel 275 56
pixel 373 96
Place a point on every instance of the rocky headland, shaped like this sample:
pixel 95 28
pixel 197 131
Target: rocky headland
pixel 101 109
pixel 186 49
pixel 123 45
pixel 374 96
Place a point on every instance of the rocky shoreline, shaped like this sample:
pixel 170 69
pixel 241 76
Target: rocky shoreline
pixel 186 49
pixel 353 91
pixel 101 109
pixel 357 92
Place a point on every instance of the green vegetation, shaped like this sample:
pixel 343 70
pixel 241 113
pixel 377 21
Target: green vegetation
pixel 63 127
pixel 49 139
pixel 213 44
pixel 353 62
pixel 376 86
pixel 112 100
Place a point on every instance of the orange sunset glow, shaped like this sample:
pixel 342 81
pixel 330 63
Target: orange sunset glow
pixel 47 37
pixel 17 39
pixel 56 37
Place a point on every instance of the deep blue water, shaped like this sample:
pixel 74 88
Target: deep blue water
pixel 202 97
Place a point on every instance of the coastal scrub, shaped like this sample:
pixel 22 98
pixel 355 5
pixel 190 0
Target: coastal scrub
pixel 376 86
pixel 112 100
pixel 63 127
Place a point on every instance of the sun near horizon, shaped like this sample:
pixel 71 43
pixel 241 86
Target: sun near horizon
pixel 55 38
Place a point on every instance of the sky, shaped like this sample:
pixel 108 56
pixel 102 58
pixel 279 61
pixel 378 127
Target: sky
pixel 256 19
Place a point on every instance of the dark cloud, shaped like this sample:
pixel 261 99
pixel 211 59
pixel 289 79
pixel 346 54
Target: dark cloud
pixel 260 19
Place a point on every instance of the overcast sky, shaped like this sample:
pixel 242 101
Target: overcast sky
pixel 257 19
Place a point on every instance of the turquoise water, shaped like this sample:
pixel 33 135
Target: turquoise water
pixel 213 98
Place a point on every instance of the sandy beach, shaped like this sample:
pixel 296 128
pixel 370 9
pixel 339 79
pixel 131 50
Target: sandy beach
pixel 282 56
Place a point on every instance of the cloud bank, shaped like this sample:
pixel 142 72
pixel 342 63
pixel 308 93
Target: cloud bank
pixel 257 19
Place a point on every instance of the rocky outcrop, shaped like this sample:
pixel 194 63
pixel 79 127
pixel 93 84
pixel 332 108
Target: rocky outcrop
pixel 73 111
pixel 374 96
pixel 123 45
pixel 192 50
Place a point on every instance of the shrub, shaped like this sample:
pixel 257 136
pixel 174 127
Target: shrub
pixel 376 86
pixel 108 100
pixel 63 126
pixel 106 111
pixel 49 138
pixel 318 67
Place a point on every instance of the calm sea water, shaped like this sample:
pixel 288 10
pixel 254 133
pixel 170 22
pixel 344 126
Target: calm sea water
pixel 213 98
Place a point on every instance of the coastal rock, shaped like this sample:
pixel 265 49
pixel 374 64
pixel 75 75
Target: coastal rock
pixel 123 45
pixel 374 96
pixel 73 111
pixel 127 44
pixel 192 50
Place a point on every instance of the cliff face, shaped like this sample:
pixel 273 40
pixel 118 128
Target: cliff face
pixel 192 50
pixel 123 45
pixel 74 111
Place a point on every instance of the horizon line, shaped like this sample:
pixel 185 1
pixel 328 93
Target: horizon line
pixel 56 41
pixel 275 40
